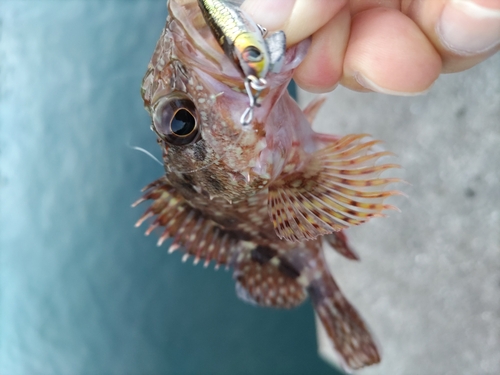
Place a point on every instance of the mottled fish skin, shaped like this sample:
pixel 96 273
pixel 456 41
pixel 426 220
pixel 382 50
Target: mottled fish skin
pixel 258 199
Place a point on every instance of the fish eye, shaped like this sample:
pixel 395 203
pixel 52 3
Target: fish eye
pixel 252 54
pixel 176 120
pixel 183 123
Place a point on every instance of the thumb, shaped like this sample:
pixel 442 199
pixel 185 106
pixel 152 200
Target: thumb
pixel 273 14
pixel 464 32
pixel 299 19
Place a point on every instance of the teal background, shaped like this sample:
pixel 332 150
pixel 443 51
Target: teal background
pixel 82 291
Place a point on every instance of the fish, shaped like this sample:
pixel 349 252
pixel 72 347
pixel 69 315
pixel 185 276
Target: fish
pixel 263 198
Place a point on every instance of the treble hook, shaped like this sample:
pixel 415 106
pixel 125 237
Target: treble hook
pixel 252 83
pixel 247 116
pixel 263 30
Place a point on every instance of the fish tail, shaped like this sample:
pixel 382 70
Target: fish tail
pixel 345 328
pixel 348 334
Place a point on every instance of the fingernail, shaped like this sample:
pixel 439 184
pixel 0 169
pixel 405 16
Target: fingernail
pixel 271 14
pixel 467 28
pixel 370 85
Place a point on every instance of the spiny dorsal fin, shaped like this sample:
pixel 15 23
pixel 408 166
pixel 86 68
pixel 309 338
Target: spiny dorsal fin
pixel 339 188
pixel 195 234
pixel 313 107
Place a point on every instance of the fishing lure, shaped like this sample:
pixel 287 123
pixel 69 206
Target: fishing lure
pixel 247 45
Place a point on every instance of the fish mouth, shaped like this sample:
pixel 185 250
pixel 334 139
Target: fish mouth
pixel 199 47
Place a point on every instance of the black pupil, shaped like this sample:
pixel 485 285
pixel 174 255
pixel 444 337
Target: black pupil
pixel 183 123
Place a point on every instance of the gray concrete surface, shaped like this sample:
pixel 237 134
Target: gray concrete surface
pixel 429 278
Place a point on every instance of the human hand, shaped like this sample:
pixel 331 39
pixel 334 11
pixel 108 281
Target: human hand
pixel 395 47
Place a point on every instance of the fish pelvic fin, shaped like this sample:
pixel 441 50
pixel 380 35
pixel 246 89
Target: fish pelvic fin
pixel 265 285
pixel 267 279
pixel 192 233
pixel 340 187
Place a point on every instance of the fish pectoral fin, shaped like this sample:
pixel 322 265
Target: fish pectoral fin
pixel 193 233
pixel 270 282
pixel 276 45
pixel 339 188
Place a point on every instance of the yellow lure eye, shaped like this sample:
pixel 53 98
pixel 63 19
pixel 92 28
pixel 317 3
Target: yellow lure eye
pixel 252 54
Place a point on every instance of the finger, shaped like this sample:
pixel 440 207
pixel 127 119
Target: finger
pixel 299 19
pixel 322 67
pixel 358 6
pixel 388 53
pixel 465 32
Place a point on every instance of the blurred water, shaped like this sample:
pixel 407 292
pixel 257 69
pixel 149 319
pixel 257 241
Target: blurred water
pixel 82 291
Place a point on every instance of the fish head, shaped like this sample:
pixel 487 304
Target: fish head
pixel 196 98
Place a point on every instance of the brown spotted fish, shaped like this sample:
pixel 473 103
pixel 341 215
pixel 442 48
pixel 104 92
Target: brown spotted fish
pixel 258 198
